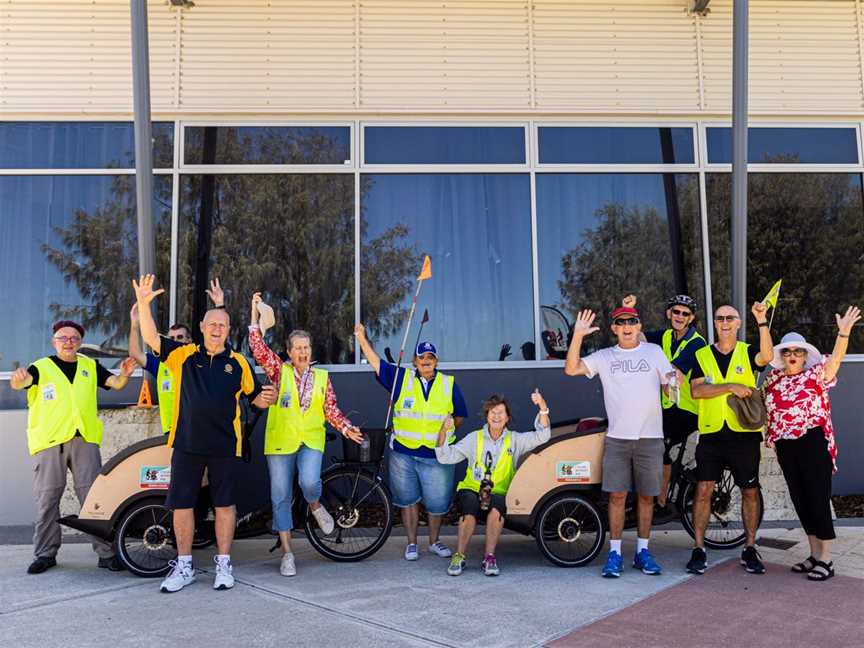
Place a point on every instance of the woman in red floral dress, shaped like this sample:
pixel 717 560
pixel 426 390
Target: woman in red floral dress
pixel 800 428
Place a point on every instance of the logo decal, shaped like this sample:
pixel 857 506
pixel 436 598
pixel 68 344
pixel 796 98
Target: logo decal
pixel 229 368
pixel 574 472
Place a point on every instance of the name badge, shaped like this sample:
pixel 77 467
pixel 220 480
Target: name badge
pixel 49 393
pixel 166 385
pixel 408 402
pixel 85 373
pixel 285 401
pixel 478 473
pixel 739 370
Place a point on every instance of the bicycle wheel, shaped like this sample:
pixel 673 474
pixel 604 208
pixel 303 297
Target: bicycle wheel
pixel 725 528
pixel 362 511
pixel 145 538
pixel 569 530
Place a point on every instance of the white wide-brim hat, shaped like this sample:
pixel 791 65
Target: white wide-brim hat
pixel 795 341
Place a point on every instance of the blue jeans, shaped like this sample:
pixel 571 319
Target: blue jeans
pixel 307 462
pixel 413 479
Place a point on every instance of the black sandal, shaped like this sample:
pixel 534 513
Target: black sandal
pixel 821 571
pixel 805 566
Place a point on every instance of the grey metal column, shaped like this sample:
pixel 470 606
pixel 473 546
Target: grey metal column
pixel 739 160
pixel 143 139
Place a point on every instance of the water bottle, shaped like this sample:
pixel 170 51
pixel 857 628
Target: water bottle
pixel 365 450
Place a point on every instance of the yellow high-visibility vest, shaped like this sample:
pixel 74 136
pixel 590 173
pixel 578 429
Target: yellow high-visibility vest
pixel 287 424
pixel 714 412
pixel 416 421
pixel 58 408
pixel 685 397
pixel 165 387
pixel 502 472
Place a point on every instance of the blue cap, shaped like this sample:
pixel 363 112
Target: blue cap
pixel 426 347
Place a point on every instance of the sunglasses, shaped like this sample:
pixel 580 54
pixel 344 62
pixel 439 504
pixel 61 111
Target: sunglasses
pixel 798 353
pixel 177 336
pixel 630 321
pixel 681 313
pixel 74 339
pixel 725 318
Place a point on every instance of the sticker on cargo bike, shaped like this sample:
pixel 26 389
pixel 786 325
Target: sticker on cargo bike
pixel 577 472
pixel 155 476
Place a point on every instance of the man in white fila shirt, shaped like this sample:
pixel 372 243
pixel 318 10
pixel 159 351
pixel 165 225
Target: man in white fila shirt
pixel 632 373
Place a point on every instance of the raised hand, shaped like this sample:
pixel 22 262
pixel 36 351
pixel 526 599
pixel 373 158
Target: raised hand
pixel 360 331
pixel 845 323
pixel 20 374
pixel 629 301
pixel 583 325
pixel 448 425
pixel 144 292
pixel 759 311
pixel 256 299
pixel 127 367
pixel 538 400
pixel 215 293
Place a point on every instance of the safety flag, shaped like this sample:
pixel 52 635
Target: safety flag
pixel 426 270
pixel 771 298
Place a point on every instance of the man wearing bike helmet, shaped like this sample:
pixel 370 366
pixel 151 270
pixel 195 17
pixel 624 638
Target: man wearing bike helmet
pixel 679 342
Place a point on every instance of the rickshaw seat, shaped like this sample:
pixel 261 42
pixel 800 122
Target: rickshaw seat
pixel 125 453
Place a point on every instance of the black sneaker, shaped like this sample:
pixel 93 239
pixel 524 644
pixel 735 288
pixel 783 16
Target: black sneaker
pixel 750 559
pixel 112 563
pixel 41 564
pixel 698 561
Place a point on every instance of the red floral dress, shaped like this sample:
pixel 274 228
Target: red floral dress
pixel 799 402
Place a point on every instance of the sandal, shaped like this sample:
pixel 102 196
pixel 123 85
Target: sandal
pixel 821 571
pixel 805 566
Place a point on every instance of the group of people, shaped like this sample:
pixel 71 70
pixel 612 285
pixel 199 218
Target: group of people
pixel 658 388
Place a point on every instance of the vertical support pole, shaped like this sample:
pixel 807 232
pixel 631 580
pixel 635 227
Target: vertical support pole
pixel 739 160
pixel 143 139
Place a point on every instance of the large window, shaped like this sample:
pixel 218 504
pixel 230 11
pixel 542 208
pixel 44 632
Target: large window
pixel 289 236
pixel 601 236
pixel 68 250
pixel 477 230
pixel 804 228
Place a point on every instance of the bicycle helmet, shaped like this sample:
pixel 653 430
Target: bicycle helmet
pixel 682 300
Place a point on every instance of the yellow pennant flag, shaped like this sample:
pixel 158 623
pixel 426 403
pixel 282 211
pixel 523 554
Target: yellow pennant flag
pixel 771 298
pixel 426 271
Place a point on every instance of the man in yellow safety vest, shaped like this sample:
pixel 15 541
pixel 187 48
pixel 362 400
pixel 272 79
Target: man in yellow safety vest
pixel 64 432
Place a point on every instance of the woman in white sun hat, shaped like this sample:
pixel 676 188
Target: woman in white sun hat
pixel 800 428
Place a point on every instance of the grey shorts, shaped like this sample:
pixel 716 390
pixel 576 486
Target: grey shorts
pixel 638 462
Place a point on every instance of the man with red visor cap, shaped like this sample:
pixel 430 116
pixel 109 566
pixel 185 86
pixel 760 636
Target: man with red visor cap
pixel 633 373
pixel 64 432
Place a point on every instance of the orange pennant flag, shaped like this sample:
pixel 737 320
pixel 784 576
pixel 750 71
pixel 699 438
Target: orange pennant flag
pixel 144 397
pixel 426 271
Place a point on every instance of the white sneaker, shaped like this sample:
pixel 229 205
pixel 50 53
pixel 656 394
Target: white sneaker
pixel 181 575
pixel 411 552
pixel 224 575
pixel 324 520
pixel 440 549
pixel 287 568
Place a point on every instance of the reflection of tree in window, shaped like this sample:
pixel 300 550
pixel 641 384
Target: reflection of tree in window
pixel 291 237
pixel 806 228
pixel 99 255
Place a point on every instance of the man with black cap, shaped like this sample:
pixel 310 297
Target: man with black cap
pixel 64 432
pixel 423 399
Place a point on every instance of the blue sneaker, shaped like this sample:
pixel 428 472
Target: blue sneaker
pixel 614 565
pixel 645 561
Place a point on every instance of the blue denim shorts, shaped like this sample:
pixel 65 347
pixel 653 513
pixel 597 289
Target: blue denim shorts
pixel 413 479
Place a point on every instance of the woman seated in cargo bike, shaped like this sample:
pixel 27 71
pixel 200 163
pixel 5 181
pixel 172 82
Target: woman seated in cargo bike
pixel 493 454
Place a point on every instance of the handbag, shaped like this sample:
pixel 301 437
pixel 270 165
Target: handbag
pixel 750 411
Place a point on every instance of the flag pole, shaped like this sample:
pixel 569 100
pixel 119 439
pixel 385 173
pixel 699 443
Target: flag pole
pixel 425 273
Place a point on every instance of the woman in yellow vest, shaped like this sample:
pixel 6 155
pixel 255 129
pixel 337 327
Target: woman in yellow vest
pixel 294 436
pixel 497 450
pixel 64 432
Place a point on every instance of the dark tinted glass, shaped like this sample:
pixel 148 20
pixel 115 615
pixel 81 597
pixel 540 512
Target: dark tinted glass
pixel 69 250
pixel 79 145
pixel 267 145
pixel 787 146
pixel 444 145
pixel 289 236
pixel 477 230
pixel 601 236
pixel 804 228
pixel 610 145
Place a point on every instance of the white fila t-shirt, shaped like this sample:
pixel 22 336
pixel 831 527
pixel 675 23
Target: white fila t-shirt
pixel 632 380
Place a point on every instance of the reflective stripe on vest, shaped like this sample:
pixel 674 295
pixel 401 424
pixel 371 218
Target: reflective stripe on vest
pixel 714 412
pixel 685 400
pixel 502 472
pixel 416 420
pixel 165 387
pixel 287 424
pixel 58 408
